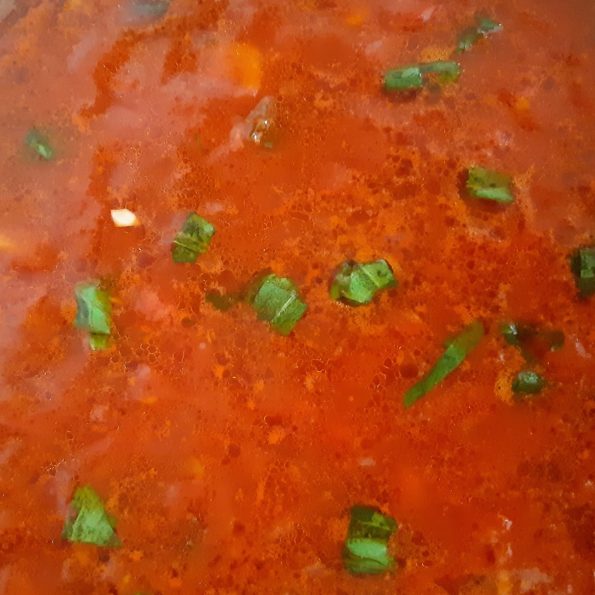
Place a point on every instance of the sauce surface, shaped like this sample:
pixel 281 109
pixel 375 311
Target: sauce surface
pixel 231 455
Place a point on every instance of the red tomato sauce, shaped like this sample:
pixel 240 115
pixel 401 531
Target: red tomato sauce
pixel 228 454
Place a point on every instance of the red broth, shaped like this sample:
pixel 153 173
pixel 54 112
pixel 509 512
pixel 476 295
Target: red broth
pixel 230 455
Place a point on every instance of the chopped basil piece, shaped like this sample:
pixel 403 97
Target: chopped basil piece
pixel 415 76
pixel 357 284
pixel 366 546
pixel 367 556
pixel 276 300
pixel 455 352
pixel 484 26
pixel 39 144
pixel 582 264
pixel 510 332
pixel 88 521
pixel 403 79
pixel 489 185
pixel 222 301
pixel 193 240
pixel 527 382
pixel 532 341
pixel 93 313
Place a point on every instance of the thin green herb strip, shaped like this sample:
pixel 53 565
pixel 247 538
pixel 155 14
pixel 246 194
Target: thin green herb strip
pixel 366 546
pixel 456 350
pixel 89 522
pixel 94 313
pixel 415 76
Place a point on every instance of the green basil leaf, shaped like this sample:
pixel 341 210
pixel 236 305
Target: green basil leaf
pixel 367 556
pixel 582 264
pixel 528 382
pixel 490 185
pixel 93 308
pixel 483 27
pixel 456 350
pixel 403 79
pixel 88 521
pixel 276 300
pixel 39 144
pixel 415 76
pixel 367 521
pixel 194 239
pixel 366 546
pixel 357 284
pixel 94 313
pixel 370 549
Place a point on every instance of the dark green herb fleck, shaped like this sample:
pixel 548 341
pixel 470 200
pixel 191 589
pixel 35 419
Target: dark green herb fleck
pixel 455 352
pixel 582 264
pixel 39 144
pixel 222 301
pixel 94 313
pixel 89 522
pixel 527 382
pixel 533 342
pixel 415 76
pixel 483 27
pixel 489 185
pixel 194 239
pixel 357 284
pixel 366 546
pixel 276 300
